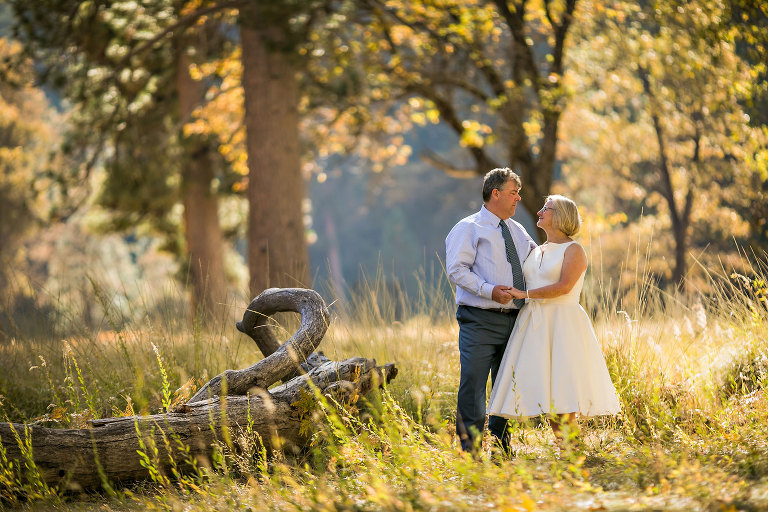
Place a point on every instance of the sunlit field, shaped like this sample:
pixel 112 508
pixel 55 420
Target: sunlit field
pixel 690 371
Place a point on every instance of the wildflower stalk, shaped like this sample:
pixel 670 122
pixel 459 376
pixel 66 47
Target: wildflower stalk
pixel 166 383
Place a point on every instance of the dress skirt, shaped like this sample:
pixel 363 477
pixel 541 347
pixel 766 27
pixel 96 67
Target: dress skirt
pixel 553 364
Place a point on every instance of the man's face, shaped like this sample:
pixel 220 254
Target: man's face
pixel 507 198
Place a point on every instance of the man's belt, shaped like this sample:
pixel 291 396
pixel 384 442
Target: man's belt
pixel 506 311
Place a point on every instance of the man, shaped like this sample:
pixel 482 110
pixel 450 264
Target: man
pixel 483 262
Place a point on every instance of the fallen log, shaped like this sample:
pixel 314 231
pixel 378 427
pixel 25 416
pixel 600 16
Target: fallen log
pixel 130 448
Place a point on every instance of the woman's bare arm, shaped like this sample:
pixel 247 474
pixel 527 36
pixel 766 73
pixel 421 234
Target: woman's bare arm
pixel 574 263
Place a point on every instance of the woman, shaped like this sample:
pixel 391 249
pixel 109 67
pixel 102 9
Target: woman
pixel 553 364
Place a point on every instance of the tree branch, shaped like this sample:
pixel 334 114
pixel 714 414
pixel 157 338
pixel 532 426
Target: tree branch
pixel 449 115
pixel 414 25
pixel 283 359
pixel 517 28
pixel 434 160
pixel 453 80
pixel 182 22
pixel 560 32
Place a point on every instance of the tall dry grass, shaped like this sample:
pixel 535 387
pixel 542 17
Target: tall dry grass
pixel 690 370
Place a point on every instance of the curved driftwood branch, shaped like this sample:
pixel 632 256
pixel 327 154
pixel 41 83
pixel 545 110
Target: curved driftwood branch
pixel 280 361
pixel 256 319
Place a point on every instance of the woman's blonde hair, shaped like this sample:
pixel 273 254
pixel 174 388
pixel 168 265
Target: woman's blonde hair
pixel 565 214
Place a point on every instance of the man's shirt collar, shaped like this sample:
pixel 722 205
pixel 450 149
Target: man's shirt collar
pixel 488 217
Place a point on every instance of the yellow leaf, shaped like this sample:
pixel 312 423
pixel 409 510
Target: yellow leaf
pixel 58 413
pixel 528 503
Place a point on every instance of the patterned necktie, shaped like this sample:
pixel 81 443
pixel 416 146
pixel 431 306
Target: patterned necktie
pixel 517 271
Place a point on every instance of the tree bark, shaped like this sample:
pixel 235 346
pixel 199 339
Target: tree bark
pixel 277 249
pixel 140 447
pixel 201 215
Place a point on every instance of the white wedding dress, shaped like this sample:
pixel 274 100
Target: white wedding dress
pixel 553 363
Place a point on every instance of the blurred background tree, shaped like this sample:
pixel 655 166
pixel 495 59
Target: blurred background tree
pixel 131 94
pixel 490 73
pixel 28 136
pixel 748 21
pixel 660 132
pixel 199 123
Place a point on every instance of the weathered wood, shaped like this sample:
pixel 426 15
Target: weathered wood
pixel 110 448
pixel 282 360
pixel 256 319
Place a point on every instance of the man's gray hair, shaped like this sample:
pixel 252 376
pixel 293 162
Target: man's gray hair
pixel 498 178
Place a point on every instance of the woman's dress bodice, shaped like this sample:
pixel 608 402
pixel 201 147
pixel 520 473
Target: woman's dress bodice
pixel 543 267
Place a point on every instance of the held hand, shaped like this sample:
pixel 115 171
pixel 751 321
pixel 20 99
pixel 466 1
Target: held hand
pixel 516 294
pixel 501 294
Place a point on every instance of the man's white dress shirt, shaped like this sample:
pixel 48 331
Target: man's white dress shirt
pixel 476 258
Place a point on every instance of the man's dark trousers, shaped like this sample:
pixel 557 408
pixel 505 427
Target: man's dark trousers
pixel 483 336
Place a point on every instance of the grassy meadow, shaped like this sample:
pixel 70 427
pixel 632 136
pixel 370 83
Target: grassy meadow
pixel 690 371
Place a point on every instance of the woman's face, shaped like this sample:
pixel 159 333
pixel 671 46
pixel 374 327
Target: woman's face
pixel 545 215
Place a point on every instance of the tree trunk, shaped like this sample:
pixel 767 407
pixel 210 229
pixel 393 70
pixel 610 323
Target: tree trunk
pixel 537 184
pixel 205 243
pixel 537 167
pixel 681 248
pixel 140 447
pixel 277 249
pixel 680 217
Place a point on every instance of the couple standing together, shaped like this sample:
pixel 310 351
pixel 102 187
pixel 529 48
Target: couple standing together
pixel 544 358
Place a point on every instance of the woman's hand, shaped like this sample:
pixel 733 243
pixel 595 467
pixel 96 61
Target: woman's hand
pixel 517 294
